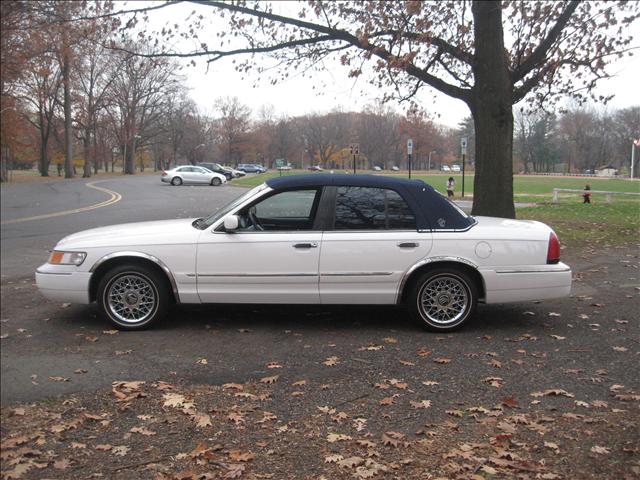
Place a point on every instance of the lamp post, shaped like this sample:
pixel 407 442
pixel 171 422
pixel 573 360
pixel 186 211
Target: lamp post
pixel 432 151
pixel 137 137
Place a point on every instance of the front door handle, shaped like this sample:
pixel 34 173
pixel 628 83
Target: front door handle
pixel 305 245
pixel 408 244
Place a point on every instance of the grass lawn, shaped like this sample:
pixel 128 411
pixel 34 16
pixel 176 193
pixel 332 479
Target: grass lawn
pixel 577 225
pixel 532 187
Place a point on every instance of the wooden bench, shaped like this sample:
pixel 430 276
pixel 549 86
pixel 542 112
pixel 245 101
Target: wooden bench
pixel 608 195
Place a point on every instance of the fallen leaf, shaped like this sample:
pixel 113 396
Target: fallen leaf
pixel 270 380
pixel 59 379
pixel 454 413
pixel 620 349
pixel 421 404
pixel 333 458
pixel 273 365
pixel 240 456
pixel 430 383
pixel 202 361
pixel 234 470
pixel 202 420
pixel 554 392
pixel 142 431
pixel 407 363
pixel 62 464
pixel 510 402
pixel 441 360
pixel 600 450
pixel 552 446
pixel 337 437
pixel 104 447
pixel 110 332
pixel 351 462
pixel 233 386
pixel 91 338
pixel 331 361
pixel 120 450
pixel 80 370
pixel 558 337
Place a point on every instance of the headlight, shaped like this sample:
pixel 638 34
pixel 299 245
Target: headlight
pixel 67 258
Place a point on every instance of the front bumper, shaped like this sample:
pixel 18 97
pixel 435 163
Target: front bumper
pixel 63 283
pixel 524 283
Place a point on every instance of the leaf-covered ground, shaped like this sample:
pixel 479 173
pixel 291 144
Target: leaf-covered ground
pixel 536 391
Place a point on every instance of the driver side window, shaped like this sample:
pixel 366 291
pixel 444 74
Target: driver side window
pixel 290 210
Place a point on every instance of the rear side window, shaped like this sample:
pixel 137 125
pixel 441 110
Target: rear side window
pixel 365 208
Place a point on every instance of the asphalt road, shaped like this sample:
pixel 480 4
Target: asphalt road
pixel 25 243
pixel 50 349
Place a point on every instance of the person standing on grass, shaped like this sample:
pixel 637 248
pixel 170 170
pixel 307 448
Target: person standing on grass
pixel 587 194
pixel 451 184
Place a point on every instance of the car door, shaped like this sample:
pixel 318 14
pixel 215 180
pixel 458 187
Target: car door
pixel 200 175
pixel 187 175
pixel 373 242
pixel 278 264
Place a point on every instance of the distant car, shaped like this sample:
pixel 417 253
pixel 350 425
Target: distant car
pixel 316 168
pixel 376 168
pixel 445 168
pixel 217 168
pixel 455 168
pixel 251 168
pixel 395 168
pixel 234 173
pixel 314 239
pixel 190 174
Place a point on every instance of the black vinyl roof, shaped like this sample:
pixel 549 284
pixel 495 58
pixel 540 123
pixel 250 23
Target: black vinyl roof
pixel 433 211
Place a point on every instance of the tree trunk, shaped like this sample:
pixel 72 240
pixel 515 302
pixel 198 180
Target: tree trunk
pixel 68 157
pixel 86 143
pixel 491 105
pixel 43 163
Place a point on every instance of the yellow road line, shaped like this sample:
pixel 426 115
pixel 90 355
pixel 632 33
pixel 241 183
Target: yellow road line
pixel 115 197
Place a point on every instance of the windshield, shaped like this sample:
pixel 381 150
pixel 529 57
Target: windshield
pixel 218 214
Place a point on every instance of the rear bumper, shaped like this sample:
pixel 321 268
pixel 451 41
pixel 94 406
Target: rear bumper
pixel 61 284
pixel 524 283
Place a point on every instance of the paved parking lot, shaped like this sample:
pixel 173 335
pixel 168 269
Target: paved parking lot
pixel 561 373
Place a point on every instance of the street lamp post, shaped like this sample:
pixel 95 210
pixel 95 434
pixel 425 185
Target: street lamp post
pixel 137 137
pixel 432 151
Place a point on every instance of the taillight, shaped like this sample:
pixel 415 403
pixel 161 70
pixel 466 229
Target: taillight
pixel 553 252
pixel 164 174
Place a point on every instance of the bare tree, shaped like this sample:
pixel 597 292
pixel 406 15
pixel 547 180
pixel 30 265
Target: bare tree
pixel 231 128
pixel 458 48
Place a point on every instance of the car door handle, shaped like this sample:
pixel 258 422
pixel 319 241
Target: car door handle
pixel 305 245
pixel 408 244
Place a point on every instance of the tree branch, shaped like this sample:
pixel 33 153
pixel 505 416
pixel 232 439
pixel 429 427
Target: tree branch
pixel 362 44
pixel 538 55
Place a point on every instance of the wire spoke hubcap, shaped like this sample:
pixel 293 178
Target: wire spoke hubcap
pixel 443 300
pixel 132 298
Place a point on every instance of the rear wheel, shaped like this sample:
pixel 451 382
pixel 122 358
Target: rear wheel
pixel 215 181
pixel 133 297
pixel 443 299
pixel 175 181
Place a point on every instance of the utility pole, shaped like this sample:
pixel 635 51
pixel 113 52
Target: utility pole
pixel 355 149
pixel 432 151
pixel 463 148
pixel 409 152
pixel 634 144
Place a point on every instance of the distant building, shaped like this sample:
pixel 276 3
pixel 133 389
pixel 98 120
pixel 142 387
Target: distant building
pixel 606 171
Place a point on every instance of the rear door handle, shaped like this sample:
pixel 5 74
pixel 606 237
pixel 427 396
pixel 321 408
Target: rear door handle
pixel 305 245
pixel 408 244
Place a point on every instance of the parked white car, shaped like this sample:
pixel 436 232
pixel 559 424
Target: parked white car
pixel 445 168
pixel 192 175
pixel 313 239
pixel 455 168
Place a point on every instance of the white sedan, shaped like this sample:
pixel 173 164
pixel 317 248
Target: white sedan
pixel 191 174
pixel 313 239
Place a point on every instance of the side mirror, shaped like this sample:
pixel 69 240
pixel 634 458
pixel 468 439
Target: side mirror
pixel 231 223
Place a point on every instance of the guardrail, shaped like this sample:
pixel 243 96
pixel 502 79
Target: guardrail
pixel 608 195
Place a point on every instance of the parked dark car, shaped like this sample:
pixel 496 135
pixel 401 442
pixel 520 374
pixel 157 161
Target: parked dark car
pixel 217 168
pixel 251 168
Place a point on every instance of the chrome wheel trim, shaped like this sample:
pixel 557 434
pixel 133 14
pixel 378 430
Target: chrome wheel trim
pixel 131 298
pixel 444 300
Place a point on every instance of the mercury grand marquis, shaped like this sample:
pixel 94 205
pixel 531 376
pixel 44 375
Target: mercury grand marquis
pixel 313 239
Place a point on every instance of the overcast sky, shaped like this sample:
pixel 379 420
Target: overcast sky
pixel 296 95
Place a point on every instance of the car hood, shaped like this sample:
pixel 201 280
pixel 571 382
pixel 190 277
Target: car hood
pixel 140 233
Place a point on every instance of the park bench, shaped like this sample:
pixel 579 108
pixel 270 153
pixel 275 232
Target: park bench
pixel 608 195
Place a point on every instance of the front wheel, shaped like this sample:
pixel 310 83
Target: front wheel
pixel 443 299
pixel 216 182
pixel 133 297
